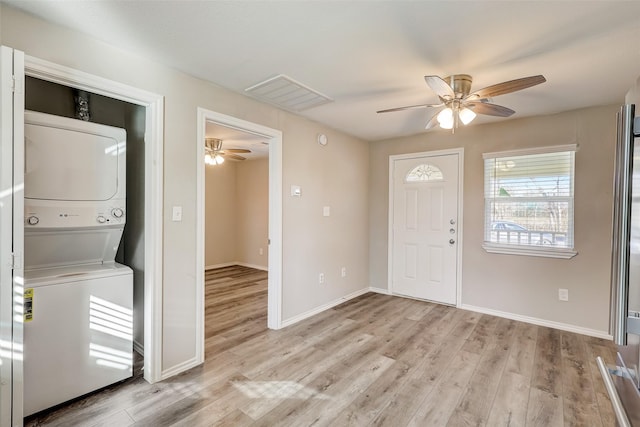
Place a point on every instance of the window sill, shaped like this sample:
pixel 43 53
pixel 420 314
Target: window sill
pixel 541 251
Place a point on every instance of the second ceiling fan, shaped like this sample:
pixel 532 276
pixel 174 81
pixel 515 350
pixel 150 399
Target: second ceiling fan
pixel 215 155
pixel 459 104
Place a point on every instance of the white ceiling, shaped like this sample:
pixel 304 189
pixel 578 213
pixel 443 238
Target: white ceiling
pixel 372 55
pixel 233 138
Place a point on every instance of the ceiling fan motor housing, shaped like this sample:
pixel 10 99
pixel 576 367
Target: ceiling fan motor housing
pixel 213 144
pixel 460 83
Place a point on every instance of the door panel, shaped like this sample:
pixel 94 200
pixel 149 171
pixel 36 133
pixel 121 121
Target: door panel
pixel 424 235
pixel 411 261
pixel 437 208
pixel 411 209
pixel 435 259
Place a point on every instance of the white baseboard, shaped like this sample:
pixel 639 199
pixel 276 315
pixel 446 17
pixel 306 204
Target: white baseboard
pixel 306 315
pixel 138 348
pixel 527 319
pixel 540 322
pixel 254 266
pixel 224 264
pixel 184 366
pixel 231 264
pixel 380 291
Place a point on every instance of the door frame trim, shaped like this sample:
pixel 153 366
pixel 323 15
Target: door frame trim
pixel 274 282
pixel 154 190
pixel 427 154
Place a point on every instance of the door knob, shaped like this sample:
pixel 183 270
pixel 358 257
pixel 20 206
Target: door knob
pixel 451 241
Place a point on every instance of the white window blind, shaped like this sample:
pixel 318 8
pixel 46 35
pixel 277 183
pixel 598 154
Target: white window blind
pixel 529 198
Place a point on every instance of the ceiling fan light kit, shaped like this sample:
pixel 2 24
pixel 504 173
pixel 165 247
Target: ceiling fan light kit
pixel 466 116
pixel 215 155
pixel 458 104
pixel 216 159
pixel 445 118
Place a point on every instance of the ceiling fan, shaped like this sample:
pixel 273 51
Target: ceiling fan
pixel 459 104
pixel 215 155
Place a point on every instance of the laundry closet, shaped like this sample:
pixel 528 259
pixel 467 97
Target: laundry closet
pixel 84 242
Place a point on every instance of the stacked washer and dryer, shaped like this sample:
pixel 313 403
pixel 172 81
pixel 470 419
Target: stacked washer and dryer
pixel 78 320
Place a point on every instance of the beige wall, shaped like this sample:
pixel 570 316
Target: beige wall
pixel 311 243
pixel 335 175
pixel 351 177
pixel 237 213
pixel 633 96
pixel 220 224
pixel 252 199
pixel 521 285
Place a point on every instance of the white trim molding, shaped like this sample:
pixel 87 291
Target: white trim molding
pixel 539 322
pixel 254 266
pixel 154 189
pixel 274 136
pixel 239 263
pixel 222 265
pixel 379 290
pixel 138 348
pixel 531 150
pixel 180 367
pixel 542 251
pixel 302 316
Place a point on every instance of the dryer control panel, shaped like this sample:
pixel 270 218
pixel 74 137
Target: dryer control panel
pixel 73 215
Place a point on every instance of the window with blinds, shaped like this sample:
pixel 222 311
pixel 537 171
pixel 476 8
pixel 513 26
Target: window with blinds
pixel 529 198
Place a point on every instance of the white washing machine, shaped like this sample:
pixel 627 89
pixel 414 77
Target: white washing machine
pixel 79 335
pixel 78 320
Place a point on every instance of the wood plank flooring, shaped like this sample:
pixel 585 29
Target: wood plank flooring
pixel 373 361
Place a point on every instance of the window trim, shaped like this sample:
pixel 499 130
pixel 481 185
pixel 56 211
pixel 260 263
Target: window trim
pixel 498 248
pixel 531 151
pixel 528 250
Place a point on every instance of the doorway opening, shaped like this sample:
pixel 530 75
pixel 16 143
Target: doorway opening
pixel 236 236
pixel 260 248
pixel 145 111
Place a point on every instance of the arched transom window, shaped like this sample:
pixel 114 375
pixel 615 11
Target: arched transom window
pixel 423 173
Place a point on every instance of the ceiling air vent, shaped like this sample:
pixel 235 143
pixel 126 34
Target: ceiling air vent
pixel 284 92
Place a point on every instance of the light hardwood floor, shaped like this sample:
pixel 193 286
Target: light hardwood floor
pixel 374 360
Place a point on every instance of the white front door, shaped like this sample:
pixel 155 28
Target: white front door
pixel 425 227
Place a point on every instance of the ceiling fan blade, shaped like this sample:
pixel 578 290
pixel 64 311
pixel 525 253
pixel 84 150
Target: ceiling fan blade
pixel 506 87
pixel 433 121
pixel 410 107
pixel 440 87
pixel 236 150
pixel 489 109
pixel 233 156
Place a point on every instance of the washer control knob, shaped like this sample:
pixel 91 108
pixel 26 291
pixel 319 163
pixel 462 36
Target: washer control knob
pixel 33 220
pixel 117 212
pixel 101 219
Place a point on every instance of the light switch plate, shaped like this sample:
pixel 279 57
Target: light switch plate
pixel 177 213
pixel 563 294
pixel 326 211
pixel 296 191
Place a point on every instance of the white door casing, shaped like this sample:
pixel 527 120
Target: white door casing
pixel 274 136
pixel 154 188
pixel 11 234
pixel 425 232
